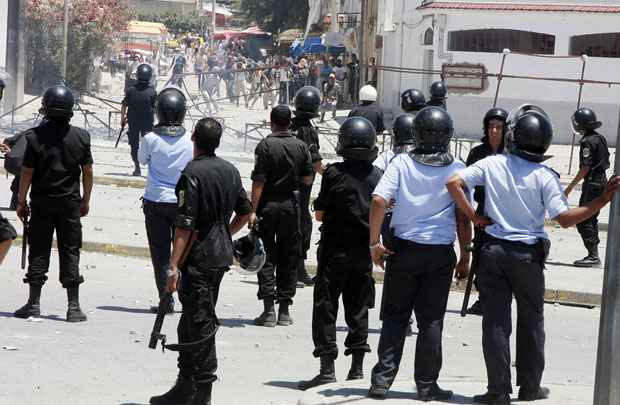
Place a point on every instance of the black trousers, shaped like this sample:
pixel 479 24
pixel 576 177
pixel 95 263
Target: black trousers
pixel 279 230
pixel 507 269
pixel 134 133
pixel 588 229
pixel 62 216
pixel 305 225
pixel 15 192
pixel 198 293
pixel 347 274
pixel 420 280
pixel 159 220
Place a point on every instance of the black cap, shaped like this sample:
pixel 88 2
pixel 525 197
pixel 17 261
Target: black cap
pixel 281 115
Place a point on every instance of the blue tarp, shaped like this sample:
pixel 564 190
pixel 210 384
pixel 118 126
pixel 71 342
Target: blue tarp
pixel 312 42
pixel 296 49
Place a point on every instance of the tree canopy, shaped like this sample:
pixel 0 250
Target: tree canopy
pixel 275 15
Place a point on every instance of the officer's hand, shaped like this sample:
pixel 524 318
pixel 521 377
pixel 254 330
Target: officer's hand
pixel 173 280
pixel 391 204
pixel 462 270
pixel 252 221
pixel 22 211
pixel 613 185
pixel 4 148
pixel 378 254
pixel 481 221
pixel 84 208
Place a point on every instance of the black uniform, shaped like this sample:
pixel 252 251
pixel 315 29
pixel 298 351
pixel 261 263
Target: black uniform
pixel 372 113
pixel 345 266
pixel 437 102
pixel 281 161
pixel 56 151
pixel 16 143
pixel 594 154
pixel 304 131
pixel 140 101
pixel 208 192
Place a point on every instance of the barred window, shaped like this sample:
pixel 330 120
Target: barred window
pixel 596 45
pixel 496 40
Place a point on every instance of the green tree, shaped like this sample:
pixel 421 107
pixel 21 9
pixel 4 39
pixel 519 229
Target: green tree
pixel 275 15
pixel 176 23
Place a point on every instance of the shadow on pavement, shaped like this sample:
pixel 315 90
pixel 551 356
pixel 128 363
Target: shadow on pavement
pixel 46 317
pixel 284 384
pixel 129 175
pixel 125 309
pixel 235 322
pixel 362 392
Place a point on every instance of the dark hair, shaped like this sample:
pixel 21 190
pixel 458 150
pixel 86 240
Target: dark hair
pixel 207 134
pixel 281 115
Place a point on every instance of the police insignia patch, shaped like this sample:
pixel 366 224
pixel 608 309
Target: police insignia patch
pixel 586 152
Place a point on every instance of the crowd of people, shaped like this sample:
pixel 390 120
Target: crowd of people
pixel 402 210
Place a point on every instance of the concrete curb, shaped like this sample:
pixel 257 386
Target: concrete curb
pixel 552 296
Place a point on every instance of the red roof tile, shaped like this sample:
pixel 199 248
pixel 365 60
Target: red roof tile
pixel 574 8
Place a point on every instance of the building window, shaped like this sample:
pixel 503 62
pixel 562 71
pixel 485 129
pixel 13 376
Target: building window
pixel 428 37
pixel 596 45
pixel 496 40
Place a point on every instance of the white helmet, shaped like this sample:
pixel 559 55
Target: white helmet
pixel 368 93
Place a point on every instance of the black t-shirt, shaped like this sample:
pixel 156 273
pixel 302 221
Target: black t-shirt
pixel 372 113
pixel 140 101
pixel 594 153
pixel 57 151
pixel 346 191
pixel 280 161
pixel 478 153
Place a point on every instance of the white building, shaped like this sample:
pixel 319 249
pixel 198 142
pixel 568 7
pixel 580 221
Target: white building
pixel 432 34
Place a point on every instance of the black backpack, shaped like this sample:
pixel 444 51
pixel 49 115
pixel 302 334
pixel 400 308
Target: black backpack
pixel 13 160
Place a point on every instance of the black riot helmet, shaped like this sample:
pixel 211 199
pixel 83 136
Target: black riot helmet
pixel 57 102
pixel 412 100
pixel 144 73
pixel 2 86
pixel 307 101
pixel 171 107
pixel 357 139
pixel 249 252
pixel 438 91
pixel 584 119
pixel 433 129
pixel 493 114
pixel 403 130
pixel 529 133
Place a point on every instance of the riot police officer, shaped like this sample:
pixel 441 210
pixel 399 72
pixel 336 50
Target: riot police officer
pixel 166 150
pixel 438 93
pixel 593 162
pixel 402 140
pixel 307 102
pixel 493 127
pixel 57 155
pixel 345 266
pixel 518 192
pixel 281 163
pixel 412 101
pixel 209 191
pixel 425 223
pixel 369 108
pixel 137 110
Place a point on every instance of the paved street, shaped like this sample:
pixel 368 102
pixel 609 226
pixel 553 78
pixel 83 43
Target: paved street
pixel 105 360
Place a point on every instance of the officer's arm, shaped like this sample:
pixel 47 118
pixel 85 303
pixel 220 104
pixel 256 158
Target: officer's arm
pixel 123 113
pixel 318 215
pixel 456 187
pixel 257 192
pixel 378 206
pixel 463 231
pixel 87 185
pixel 576 215
pixel 583 172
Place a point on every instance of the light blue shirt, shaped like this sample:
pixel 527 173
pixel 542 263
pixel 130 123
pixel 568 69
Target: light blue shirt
pixel 517 194
pixel 384 159
pixel 424 211
pixel 166 156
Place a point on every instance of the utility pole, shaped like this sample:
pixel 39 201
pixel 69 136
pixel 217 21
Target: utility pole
pixel 214 24
pixel 362 42
pixel 65 42
pixel 607 382
pixel 334 11
pixel 15 61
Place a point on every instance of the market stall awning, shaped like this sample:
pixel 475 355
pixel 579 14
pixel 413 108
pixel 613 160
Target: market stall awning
pixel 146 27
pixel 208 8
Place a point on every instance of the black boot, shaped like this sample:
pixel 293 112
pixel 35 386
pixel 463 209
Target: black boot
pixel 475 309
pixel 327 375
pixel 268 317
pixel 181 394
pixel 74 313
pixel 433 393
pixel 33 306
pixel 303 278
pixel 591 260
pixel 529 394
pixel 356 372
pixel 284 317
pixel 491 398
pixel 137 172
pixel 203 394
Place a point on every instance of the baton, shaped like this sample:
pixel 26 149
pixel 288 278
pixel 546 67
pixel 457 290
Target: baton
pixel 25 239
pixel 120 133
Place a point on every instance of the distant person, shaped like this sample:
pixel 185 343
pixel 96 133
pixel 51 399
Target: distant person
pixel 369 108
pixel 438 92
pixel 178 67
pixel 331 93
